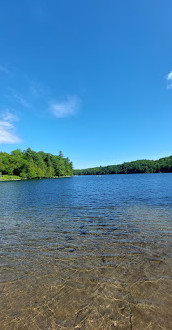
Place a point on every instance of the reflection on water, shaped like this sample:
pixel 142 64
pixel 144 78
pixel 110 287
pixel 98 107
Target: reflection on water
pixel 86 253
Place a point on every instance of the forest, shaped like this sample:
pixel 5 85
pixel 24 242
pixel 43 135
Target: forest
pixel 29 164
pixel 138 166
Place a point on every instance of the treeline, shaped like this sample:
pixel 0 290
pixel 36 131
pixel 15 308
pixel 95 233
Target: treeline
pixel 30 164
pixel 138 166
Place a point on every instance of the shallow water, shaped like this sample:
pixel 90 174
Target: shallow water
pixel 86 253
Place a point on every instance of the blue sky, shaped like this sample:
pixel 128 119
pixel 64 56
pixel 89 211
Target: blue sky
pixel 92 78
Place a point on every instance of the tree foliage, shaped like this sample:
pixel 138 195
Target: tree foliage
pixel 31 164
pixel 138 166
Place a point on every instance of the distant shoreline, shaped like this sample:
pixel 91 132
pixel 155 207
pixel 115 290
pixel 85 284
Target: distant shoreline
pixel 162 165
pixel 10 178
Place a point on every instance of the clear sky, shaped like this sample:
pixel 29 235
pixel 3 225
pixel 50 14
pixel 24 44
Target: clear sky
pixel 92 78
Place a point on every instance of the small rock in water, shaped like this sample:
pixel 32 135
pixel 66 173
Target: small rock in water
pixel 83 232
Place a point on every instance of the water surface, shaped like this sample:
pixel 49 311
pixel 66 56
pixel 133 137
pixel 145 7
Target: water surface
pixel 86 253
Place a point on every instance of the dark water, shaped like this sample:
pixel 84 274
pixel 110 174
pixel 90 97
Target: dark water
pixel 86 253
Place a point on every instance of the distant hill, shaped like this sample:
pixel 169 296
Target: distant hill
pixel 138 166
pixel 29 164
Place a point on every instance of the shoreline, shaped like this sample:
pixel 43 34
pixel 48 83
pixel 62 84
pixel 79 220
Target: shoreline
pixel 22 179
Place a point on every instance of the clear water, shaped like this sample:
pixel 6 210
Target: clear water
pixel 86 253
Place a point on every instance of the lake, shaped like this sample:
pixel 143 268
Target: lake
pixel 88 252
